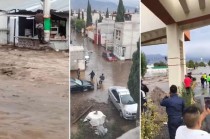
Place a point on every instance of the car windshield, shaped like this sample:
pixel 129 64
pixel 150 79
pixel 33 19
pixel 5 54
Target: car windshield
pixel 110 55
pixel 78 81
pixel 127 99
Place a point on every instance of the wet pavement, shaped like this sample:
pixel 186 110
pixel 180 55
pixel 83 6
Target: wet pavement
pixel 116 73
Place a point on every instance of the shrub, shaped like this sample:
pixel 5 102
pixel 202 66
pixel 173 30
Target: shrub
pixel 151 122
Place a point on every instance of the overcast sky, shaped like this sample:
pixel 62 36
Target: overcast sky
pixel 199 45
pixel 132 3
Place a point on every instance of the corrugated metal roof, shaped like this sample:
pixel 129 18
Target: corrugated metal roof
pixel 33 5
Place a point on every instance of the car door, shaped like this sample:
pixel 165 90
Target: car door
pixel 118 106
pixel 112 96
pixel 115 99
pixel 75 87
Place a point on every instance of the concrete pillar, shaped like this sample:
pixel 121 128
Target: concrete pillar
pixel 47 21
pixel 176 55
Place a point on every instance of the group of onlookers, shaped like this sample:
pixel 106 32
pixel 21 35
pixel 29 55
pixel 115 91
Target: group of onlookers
pixel 183 122
pixel 205 79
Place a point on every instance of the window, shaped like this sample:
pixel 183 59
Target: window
pixel 78 82
pixel 116 94
pixel 118 33
pixel 127 99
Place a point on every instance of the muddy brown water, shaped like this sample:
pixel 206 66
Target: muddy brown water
pixel 33 94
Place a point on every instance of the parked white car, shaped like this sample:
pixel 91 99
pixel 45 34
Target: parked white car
pixel 121 98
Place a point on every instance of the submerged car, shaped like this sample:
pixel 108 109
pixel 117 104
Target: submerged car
pixel 122 100
pixel 109 56
pixel 80 85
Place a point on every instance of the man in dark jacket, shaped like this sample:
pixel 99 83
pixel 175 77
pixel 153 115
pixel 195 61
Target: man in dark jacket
pixel 174 109
pixel 78 73
pixel 92 74
pixel 144 91
pixel 39 18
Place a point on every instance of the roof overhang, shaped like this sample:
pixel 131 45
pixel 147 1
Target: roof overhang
pixel 187 14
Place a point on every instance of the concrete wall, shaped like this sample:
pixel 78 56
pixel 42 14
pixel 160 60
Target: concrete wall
pixel 91 35
pixel 11 29
pixel 135 17
pixel 106 28
pixel 128 39
pixel 3 28
pixel 77 57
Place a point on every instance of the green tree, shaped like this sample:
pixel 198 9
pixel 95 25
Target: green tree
pixel 100 18
pixel 72 12
pixel 143 64
pixel 161 63
pixel 80 24
pixel 133 80
pixel 209 63
pixel 89 16
pixel 196 64
pixel 107 13
pixel 78 14
pixel 73 23
pixel 120 12
pixel 202 64
pixel 191 64
pixel 82 15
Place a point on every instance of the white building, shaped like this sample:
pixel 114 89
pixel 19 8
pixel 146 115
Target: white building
pixel 77 57
pixel 126 36
pixel 106 29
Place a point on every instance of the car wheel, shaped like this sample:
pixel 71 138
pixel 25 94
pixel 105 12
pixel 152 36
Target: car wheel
pixel 121 114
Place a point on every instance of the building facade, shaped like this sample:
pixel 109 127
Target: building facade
pixel 126 36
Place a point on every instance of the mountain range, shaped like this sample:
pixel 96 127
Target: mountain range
pixel 97 5
pixel 153 58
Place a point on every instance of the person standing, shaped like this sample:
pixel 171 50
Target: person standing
pixel 193 119
pixel 190 75
pixel 102 78
pixel 205 78
pixel 78 73
pixel 92 74
pixel 144 91
pixel 202 81
pixel 187 84
pixel 39 19
pixel 174 109
pixel 208 79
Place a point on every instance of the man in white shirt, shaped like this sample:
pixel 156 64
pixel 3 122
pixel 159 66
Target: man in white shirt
pixel 193 120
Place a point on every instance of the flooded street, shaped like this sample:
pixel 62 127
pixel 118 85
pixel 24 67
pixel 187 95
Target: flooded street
pixel 116 74
pixel 34 94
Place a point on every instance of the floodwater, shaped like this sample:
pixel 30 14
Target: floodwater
pixel 160 79
pixel 33 94
pixel 116 73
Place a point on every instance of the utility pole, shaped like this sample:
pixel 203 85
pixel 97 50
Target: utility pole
pixel 97 31
pixel 47 20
